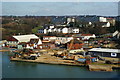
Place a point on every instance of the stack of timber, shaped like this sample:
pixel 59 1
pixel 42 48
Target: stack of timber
pixel 100 68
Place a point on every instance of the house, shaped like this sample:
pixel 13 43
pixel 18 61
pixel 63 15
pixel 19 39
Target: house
pixel 105 24
pixel 111 21
pixel 45 31
pixel 75 30
pixel 13 41
pixel 59 29
pixel 48 44
pixel 104 52
pixel 84 36
pixel 65 30
pixel 74 44
pixel 102 19
pixel 62 40
pixel 3 43
pixel 102 24
pixel 70 19
pixel 41 31
pixel 87 36
pixel 49 38
pixel 34 44
pixel 22 45
pixel 58 40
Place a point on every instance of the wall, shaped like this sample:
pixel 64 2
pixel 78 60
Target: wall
pixel 103 54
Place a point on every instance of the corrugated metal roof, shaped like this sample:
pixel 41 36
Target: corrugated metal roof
pixel 25 38
pixel 105 50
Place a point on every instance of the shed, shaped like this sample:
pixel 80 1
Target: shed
pixel 25 38
pixel 104 52
pixel 15 40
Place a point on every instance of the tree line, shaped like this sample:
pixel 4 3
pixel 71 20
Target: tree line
pixel 30 24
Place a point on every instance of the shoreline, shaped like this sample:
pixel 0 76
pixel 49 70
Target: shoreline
pixel 43 62
pixel 101 67
pixel 48 59
pixel 4 50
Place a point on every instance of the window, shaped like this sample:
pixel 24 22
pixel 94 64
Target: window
pixel 113 54
pixel 90 53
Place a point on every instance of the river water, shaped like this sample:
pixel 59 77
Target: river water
pixel 12 69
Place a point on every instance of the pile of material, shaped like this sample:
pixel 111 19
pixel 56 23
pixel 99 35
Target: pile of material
pixel 26 54
pixel 100 68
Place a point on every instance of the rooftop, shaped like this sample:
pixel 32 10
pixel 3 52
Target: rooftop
pixel 25 38
pixel 105 50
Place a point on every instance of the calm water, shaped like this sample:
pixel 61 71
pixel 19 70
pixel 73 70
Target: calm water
pixel 34 70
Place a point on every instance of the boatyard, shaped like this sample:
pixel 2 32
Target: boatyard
pixel 60 40
pixel 75 52
pixel 75 60
pixel 44 70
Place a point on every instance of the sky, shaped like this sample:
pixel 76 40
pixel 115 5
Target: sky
pixel 60 0
pixel 59 8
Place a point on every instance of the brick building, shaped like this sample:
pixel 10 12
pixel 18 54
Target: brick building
pixel 75 44
pixel 46 44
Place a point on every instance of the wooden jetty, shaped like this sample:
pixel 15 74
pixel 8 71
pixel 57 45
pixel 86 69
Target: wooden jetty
pixel 100 68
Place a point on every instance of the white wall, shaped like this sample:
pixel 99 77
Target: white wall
pixel 65 30
pixel 63 39
pixel 39 42
pixel 88 37
pixel 102 19
pixel 51 27
pixel 108 24
pixel 75 31
pixel 49 38
pixel 45 31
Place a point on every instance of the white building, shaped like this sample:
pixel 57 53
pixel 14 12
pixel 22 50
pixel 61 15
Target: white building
pixel 49 30
pixel 87 36
pixel 102 19
pixel 75 30
pixel 15 40
pixel 90 23
pixel 45 31
pixel 49 38
pixel 62 40
pixel 70 20
pixel 65 30
pixel 51 27
pixel 104 52
pixel 34 43
pixel 106 25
